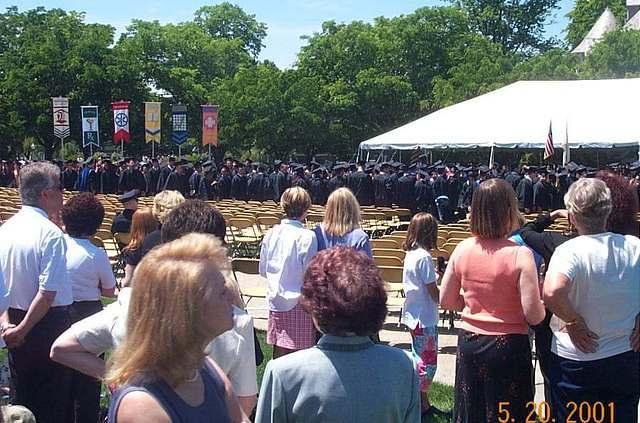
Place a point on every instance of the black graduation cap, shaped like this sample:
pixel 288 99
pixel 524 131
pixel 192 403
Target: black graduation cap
pixel 483 168
pixel 420 157
pixel 396 165
pixel 207 164
pixel 277 163
pixel 88 161
pixel 340 166
pixel 634 165
pixel 129 195
pixel 423 173
pixel 318 170
pixel 182 162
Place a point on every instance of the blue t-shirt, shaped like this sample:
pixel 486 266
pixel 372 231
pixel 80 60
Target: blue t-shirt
pixel 357 239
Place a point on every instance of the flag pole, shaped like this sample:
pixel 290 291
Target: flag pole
pixel 566 156
pixel 152 149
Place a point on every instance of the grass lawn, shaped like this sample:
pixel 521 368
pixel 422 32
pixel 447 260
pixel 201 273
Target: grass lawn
pixel 440 395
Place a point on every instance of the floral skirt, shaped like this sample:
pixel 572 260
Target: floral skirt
pixel 494 376
pixel 424 350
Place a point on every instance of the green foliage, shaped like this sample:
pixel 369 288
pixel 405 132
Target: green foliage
pixel 352 80
pixel 70 151
pixel 516 25
pixel 616 56
pixel 586 12
pixel 228 21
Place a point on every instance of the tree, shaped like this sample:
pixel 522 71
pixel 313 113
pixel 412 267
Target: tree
pixel 517 25
pixel 228 21
pixel 47 53
pixel 616 56
pixel 481 66
pixel 586 12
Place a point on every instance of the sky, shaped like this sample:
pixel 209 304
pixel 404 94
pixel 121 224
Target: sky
pixel 287 20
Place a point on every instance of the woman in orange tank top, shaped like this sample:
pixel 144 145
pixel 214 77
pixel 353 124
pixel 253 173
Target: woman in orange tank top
pixel 494 283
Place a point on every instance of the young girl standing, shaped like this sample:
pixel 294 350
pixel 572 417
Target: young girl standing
pixel 420 312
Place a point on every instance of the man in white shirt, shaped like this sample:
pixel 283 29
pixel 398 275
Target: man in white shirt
pixel 32 258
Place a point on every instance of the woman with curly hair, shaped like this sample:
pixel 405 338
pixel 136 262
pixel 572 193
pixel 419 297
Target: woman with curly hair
pixel 91 277
pixel 331 382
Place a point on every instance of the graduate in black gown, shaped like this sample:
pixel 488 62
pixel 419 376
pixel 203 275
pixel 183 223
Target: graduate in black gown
pixel 258 184
pixel 224 183
pixel 239 185
pixel 178 179
pixel 319 186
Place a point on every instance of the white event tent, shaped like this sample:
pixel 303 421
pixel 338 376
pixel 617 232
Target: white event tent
pixel 584 114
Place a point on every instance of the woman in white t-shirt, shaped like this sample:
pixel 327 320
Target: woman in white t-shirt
pixel 592 287
pixel 420 311
pixel 90 275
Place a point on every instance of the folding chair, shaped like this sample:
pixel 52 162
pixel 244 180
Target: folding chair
pixel 249 266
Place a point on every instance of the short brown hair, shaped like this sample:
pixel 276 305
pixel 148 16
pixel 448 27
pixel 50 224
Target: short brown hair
pixel 295 201
pixel 494 209
pixel 344 292
pixel 422 232
pixel 82 215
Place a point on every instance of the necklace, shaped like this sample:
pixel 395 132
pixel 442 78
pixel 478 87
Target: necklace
pixel 194 378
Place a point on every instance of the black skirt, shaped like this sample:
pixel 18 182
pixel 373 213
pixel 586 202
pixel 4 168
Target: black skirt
pixel 493 378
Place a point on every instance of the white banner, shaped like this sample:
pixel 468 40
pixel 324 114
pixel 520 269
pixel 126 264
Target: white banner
pixel 61 117
pixel 90 132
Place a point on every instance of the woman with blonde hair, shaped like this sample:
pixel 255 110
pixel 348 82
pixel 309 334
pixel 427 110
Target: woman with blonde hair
pixel 494 282
pixel 142 224
pixel 341 223
pixel 160 370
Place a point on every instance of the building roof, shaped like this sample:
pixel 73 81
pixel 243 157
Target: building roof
pixel 607 22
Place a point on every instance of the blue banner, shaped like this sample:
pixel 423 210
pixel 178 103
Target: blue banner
pixel 179 133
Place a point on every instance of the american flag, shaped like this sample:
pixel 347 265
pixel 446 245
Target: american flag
pixel 548 147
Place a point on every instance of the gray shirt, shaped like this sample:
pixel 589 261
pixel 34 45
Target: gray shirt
pixel 342 379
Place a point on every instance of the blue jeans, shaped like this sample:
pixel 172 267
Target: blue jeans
pixel 581 384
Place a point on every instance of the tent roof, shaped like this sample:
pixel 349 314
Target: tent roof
pixel 606 22
pixel 590 113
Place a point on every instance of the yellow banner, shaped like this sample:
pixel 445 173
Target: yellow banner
pixel 152 121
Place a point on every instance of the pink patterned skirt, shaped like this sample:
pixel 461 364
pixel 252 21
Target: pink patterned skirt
pixel 291 329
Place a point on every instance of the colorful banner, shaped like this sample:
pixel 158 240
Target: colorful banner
pixel 152 121
pixel 121 121
pixel 179 119
pixel 209 125
pixel 90 132
pixel 60 117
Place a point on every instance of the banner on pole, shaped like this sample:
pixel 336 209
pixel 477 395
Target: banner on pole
pixel 121 121
pixel 209 125
pixel 90 132
pixel 179 119
pixel 152 121
pixel 61 117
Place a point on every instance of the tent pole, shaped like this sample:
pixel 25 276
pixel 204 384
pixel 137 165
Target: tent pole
pixel 491 157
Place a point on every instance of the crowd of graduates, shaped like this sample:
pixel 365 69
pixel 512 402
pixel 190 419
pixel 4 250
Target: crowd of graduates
pixel 441 188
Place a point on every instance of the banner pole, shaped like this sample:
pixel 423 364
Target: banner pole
pixel 152 149
pixel 209 151
pixel 61 147
pixel 179 151
pixel 121 149
pixel 90 150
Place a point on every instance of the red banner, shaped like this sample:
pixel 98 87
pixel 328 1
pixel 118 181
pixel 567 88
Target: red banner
pixel 121 121
pixel 209 125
